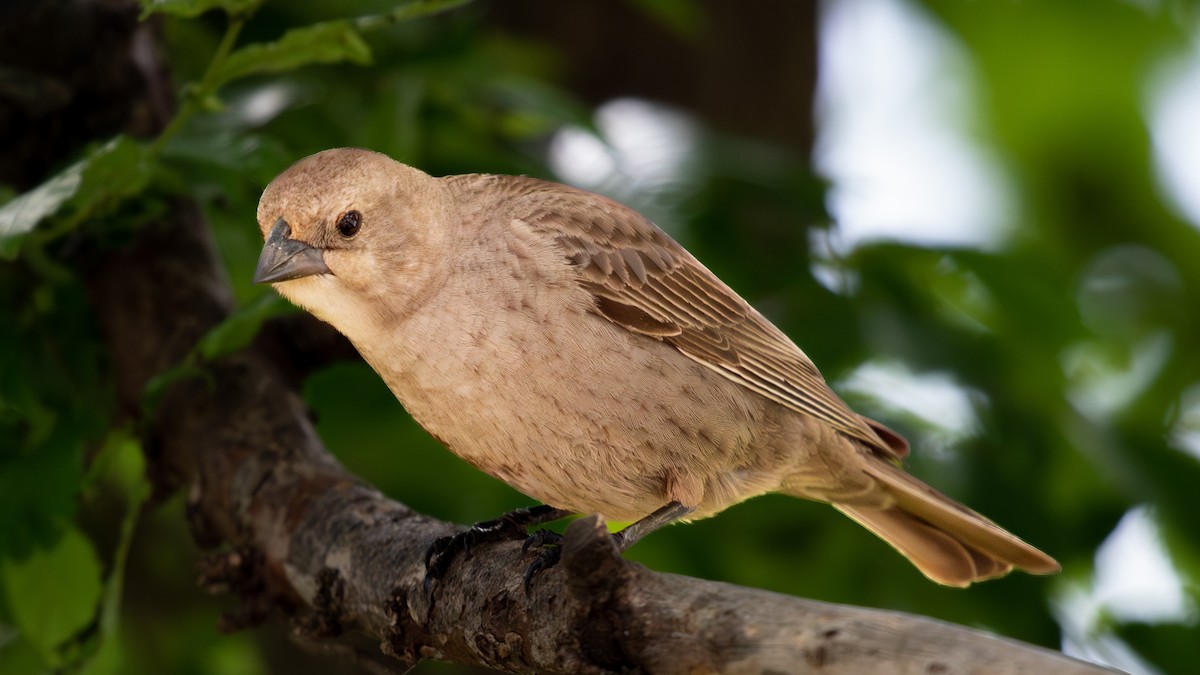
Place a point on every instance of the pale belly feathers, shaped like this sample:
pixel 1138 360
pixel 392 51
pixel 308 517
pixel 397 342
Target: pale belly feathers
pixel 611 422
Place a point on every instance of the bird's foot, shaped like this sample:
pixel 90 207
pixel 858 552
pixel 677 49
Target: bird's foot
pixel 442 552
pixel 512 525
pixel 551 553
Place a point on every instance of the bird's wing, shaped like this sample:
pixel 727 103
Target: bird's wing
pixel 645 282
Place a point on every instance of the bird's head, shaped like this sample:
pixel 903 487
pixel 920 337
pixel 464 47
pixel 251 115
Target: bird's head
pixel 353 235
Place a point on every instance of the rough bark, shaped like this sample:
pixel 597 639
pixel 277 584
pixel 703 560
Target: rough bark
pixel 310 542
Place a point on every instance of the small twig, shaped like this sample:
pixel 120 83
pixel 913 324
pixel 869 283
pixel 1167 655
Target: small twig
pixel 199 93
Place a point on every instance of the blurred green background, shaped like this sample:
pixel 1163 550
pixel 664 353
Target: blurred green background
pixel 976 218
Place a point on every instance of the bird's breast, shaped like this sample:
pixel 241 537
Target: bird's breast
pixel 534 389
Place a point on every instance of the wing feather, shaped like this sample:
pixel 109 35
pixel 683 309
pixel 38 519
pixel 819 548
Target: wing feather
pixel 647 283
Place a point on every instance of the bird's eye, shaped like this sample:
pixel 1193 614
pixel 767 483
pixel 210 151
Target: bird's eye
pixel 349 223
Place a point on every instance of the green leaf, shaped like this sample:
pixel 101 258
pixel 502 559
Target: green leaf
pixel 126 466
pixel 329 42
pixel 18 656
pixel 407 12
pixel 119 461
pixel 106 175
pixel 53 593
pixel 157 386
pixel 192 8
pixel 39 483
pixel 19 216
pixel 232 334
pixel 239 328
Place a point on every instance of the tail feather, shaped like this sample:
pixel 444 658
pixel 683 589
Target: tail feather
pixel 948 542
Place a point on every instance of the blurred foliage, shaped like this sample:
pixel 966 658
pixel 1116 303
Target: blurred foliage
pixel 1098 272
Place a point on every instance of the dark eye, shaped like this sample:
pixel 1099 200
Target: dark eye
pixel 348 223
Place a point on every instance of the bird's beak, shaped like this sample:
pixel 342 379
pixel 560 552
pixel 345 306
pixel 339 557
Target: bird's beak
pixel 284 258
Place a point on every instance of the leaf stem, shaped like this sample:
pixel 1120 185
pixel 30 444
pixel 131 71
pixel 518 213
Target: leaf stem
pixel 200 92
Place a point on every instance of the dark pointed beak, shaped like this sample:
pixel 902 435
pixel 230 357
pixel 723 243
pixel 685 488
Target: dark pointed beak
pixel 284 258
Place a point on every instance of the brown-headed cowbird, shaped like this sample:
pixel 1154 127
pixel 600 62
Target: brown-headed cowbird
pixel 562 343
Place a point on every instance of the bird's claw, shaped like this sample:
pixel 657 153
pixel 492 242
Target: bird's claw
pixel 551 545
pixel 438 557
pixel 442 552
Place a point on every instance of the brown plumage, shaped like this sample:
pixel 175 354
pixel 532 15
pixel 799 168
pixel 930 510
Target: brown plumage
pixel 561 342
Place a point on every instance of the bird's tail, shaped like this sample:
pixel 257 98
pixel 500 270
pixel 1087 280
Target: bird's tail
pixel 948 542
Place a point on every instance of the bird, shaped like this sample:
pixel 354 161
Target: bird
pixel 564 344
